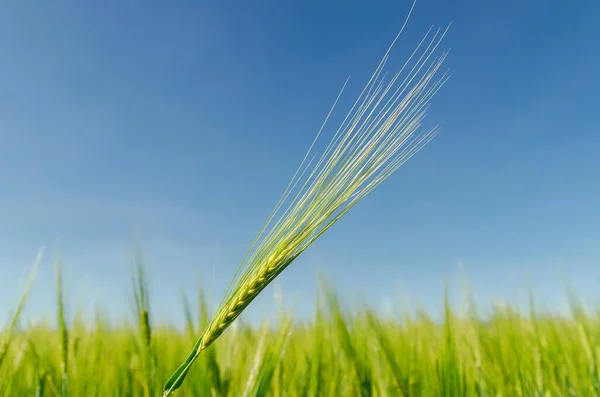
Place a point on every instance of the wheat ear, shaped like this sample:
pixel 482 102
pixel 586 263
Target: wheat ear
pixel 380 133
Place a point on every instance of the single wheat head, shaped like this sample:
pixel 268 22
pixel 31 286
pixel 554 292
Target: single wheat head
pixel 382 130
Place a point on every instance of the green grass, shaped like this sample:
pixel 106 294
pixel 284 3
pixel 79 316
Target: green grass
pixel 342 352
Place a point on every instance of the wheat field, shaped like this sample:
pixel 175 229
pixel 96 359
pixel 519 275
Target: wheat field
pixel 341 351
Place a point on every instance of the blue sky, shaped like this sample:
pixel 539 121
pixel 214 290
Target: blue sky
pixel 184 121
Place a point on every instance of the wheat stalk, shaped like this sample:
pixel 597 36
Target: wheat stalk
pixel 380 133
pixel 63 330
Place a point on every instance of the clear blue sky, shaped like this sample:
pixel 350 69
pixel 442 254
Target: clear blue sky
pixel 185 120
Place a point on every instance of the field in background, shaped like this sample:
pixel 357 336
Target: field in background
pixel 339 353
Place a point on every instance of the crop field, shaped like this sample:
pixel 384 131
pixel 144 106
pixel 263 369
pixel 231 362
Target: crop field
pixel 341 352
pixel 342 349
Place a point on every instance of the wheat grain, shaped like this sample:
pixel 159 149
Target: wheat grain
pixel 380 133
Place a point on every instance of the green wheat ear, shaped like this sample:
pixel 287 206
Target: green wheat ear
pixel 380 133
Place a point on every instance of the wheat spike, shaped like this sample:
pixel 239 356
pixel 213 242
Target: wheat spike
pixel 379 134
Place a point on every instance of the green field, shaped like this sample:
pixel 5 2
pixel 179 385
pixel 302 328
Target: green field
pixel 341 352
